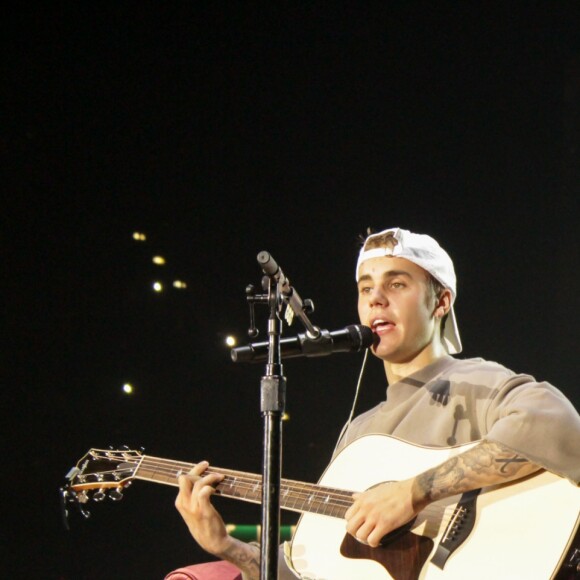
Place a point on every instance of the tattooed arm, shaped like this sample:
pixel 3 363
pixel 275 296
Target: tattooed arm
pixel 486 464
pixel 386 507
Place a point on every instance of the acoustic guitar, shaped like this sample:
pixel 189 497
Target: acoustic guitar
pixel 525 530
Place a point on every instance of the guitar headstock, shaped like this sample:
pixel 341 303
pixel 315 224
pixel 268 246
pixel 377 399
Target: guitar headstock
pixel 101 473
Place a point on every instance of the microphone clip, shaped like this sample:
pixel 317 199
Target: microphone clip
pixel 283 295
pixel 252 298
pixel 287 295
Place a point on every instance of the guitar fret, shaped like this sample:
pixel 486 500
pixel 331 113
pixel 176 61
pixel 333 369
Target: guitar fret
pixel 298 502
pixel 156 475
pixel 240 488
pixel 322 504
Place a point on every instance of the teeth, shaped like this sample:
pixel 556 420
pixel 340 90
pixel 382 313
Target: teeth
pixel 377 322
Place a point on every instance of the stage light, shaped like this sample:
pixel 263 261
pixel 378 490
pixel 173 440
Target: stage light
pixel 179 284
pixel 128 388
pixel 231 341
pixel 139 237
pixel 157 286
pixel 159 260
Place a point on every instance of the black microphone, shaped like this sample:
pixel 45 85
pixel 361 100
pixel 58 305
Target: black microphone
pixel 270 267
pixel 354 338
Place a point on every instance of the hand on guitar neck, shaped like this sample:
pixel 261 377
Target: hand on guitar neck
pixel 388 506
pixel 207 526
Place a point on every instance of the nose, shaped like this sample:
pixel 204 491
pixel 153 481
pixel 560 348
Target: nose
pixel 377 297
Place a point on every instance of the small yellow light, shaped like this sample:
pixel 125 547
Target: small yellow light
pixel 128 388
pixel 285 417
pixel 179 284
pixel 157 286
pixel 159 260
pixel 231 341
pixel 139 237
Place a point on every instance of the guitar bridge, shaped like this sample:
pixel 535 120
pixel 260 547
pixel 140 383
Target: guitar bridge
pixel 458 529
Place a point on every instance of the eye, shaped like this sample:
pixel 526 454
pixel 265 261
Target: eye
pixel 398 285
pixel 365 289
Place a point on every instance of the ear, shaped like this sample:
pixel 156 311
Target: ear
pixel 443 304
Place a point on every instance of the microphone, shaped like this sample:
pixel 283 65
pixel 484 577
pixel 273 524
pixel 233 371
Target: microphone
pixel 353 338
pixel 270 268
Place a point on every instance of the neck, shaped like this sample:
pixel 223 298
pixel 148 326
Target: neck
pixel 396 371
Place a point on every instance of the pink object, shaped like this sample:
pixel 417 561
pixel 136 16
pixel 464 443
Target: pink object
pixel 220 570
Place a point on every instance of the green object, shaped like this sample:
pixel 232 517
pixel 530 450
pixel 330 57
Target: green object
pixel 251 533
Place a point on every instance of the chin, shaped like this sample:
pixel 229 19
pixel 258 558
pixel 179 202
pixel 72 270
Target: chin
pixel 386 354
pixel 395 355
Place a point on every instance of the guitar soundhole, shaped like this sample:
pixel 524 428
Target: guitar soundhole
pixel 402 553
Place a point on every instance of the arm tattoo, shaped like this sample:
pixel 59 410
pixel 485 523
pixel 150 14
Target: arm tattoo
pixel 488 463
pixel 246 557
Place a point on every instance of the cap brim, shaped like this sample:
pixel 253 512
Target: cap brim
pixel 451 334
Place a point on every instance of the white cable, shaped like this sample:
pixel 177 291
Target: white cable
pixel 359 382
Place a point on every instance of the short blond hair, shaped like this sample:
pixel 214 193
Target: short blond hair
pixel 386 240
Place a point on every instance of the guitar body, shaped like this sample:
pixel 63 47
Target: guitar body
pixel 521 530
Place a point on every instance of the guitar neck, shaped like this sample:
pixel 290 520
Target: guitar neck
pixel 295 496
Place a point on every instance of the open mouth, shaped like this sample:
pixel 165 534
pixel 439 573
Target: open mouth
pixel 381 325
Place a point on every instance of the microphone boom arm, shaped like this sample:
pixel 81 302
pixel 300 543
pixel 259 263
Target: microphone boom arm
pixel 289 295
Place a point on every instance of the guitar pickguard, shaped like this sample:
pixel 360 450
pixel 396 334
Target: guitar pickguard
pixel 403 557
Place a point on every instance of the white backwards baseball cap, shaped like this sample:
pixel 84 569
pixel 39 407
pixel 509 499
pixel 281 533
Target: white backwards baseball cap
pixel 424 251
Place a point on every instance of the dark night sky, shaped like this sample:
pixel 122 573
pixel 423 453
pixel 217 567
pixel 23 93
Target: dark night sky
pixel 223 129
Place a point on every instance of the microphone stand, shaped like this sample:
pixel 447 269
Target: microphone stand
pixel 272 404
pixel 273 401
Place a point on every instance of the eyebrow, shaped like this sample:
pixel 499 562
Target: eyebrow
pixel 388 274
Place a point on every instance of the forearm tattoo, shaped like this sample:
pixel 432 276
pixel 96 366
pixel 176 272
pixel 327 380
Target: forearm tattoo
pixel 246 557
pixel 486 464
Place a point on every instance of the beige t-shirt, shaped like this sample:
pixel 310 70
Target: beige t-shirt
pixel 453 401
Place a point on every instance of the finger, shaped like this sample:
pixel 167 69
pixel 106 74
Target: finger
pixel 199 468
pixel 354 523
pixel 201 492
pixel 183 498
pixel 186 482
pixel 351 511
pixel 364 532
pixel 195 491
pixel 189 478
pixel 374 538
pixel 207 485
pixel 207 478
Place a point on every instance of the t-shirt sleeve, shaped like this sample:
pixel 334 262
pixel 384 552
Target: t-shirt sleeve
pixel 537 421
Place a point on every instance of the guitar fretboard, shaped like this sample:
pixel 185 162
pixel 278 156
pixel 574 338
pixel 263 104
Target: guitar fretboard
pixel 294 495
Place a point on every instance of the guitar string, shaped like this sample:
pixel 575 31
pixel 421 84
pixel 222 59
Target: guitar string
pixel 240 476
pixel 307 493
pixel 250 484
pixel 300 491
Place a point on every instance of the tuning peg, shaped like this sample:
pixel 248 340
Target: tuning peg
pixel 99 495
pixel 85 513
pixel 116 494
pixel 69 496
